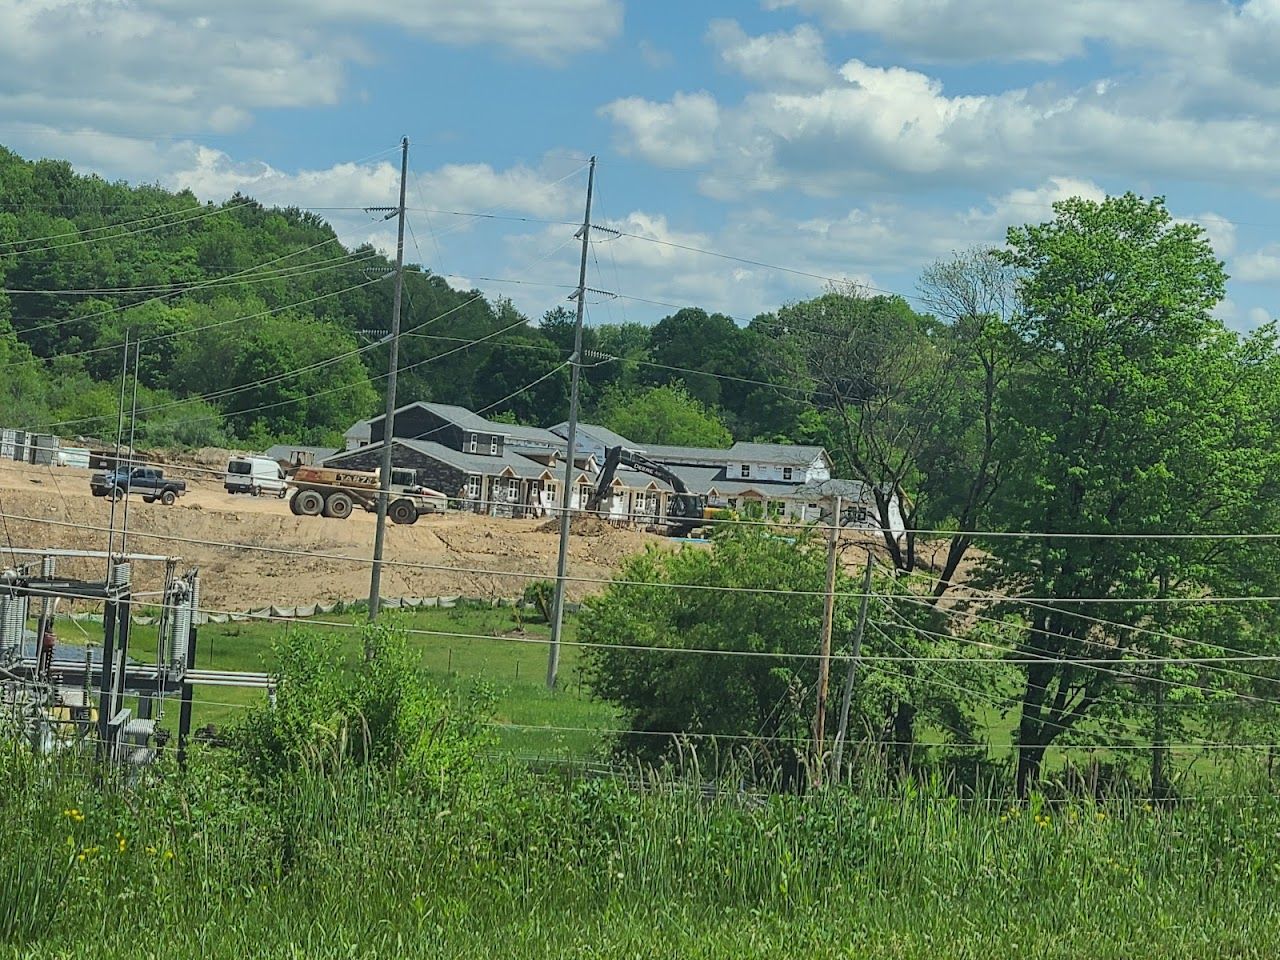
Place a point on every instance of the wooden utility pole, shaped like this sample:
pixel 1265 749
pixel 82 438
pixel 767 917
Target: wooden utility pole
pixel 824 652
pixel 562 558
pixel 852 673
pixel 389 419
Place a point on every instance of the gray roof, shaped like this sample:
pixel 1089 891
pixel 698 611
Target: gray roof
pixel 596 432
pixel 359 429
pixel 518 432
pixel 704 479
pixel 848 489
pixel 783 453
pixel 693 455
pixel 474 423
pixel 640 481
pixel 469 463
pixel 285 451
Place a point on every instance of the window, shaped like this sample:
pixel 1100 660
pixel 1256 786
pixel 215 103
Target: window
pixel 473 488
pixel 746 469
pixel 471 447
pixel 786 473
pixel 513 488
pixel 493 446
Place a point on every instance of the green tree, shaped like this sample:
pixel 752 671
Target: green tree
pixel 666 415
pixel 761 594
pixel 1135 413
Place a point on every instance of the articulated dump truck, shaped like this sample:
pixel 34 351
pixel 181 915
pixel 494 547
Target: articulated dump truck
pixel 335 493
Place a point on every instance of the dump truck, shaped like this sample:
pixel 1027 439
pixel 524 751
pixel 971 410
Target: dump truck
pixel 335 493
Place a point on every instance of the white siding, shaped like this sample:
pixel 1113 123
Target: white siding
pixel 777 472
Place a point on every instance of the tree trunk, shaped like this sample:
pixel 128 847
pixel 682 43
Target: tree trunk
pixel 1033 733
pixel 904 735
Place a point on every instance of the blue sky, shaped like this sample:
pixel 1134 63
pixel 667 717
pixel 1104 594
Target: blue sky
pixel 856 139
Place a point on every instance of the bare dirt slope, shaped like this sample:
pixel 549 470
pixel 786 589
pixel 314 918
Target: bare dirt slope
pixel 317 560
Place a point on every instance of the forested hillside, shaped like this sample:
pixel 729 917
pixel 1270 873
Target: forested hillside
pixel 258 325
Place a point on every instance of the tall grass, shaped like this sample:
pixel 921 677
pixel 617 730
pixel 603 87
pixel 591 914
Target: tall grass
pixel 359 861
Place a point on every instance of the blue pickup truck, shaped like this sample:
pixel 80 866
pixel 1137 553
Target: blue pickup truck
pixel 148 482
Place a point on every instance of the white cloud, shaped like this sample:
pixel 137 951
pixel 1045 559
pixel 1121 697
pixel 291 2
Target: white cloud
pixel 130 68
pixel 476 188
pixel 795 59
pixel 1258 316
pixel 897 128
pixel 1037 30
pixel 542 29
pixel 1258 266
pixel 675 134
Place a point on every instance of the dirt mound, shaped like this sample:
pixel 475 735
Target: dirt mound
pixel 582 527
pixel 254 552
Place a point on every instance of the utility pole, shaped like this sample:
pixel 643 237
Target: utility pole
pixel 389 420
pixel 824 655
pixel 852 673
pixel 562 558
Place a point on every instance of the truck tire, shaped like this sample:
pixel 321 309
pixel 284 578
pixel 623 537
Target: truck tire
pixel 168 498
pixel 117 493
pixel 338 506
pixel 255 491
pixel 293 506
pixel 148 499
pixel 280 494
pixel 403 512
pixel 309 503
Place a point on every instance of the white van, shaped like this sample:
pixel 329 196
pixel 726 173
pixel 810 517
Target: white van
pixel 255 475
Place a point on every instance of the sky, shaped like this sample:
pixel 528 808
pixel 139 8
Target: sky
pixel 799 141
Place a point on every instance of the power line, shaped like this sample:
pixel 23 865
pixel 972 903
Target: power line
pixel 204 215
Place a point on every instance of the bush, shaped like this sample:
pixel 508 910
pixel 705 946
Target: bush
pixel 541 595
pixel 383 711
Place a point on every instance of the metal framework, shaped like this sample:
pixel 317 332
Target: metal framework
pixel 62 701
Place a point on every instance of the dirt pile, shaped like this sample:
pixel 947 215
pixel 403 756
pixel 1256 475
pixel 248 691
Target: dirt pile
pixel 254 552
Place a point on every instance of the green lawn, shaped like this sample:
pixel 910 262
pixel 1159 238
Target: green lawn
pixel 514 668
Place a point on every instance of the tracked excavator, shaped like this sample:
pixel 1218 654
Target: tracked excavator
pixel 685 510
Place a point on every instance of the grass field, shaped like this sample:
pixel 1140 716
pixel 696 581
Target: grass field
pixel 364 864
pixel 516 670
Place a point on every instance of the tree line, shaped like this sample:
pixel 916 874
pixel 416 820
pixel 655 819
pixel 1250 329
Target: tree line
pixel 258 326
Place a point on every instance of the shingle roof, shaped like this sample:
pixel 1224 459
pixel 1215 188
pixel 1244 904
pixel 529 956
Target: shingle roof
pixel 359 429
pixel 848 489
pixel 516 431
pixel 785 453
pixel 692 455
pixel 475 423
pixel 285 451
pixel 470 463
pixel 603 434
pixel 704 479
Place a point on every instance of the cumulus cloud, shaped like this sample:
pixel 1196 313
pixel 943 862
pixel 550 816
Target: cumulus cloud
pixel 333 191
pixel 898 129
pixel 130 68
pixel 976 30
pixel 1258 266
pixel 675 134
pixel 794 59
pixel 541 29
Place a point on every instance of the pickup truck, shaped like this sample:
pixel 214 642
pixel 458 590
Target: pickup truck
pixel 149 482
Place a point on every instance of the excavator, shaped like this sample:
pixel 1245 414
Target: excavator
pixel 685 510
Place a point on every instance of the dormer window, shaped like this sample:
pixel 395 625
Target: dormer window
pixel 493 446
pixel 746 469
pixel 786 473
pixel 471 447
